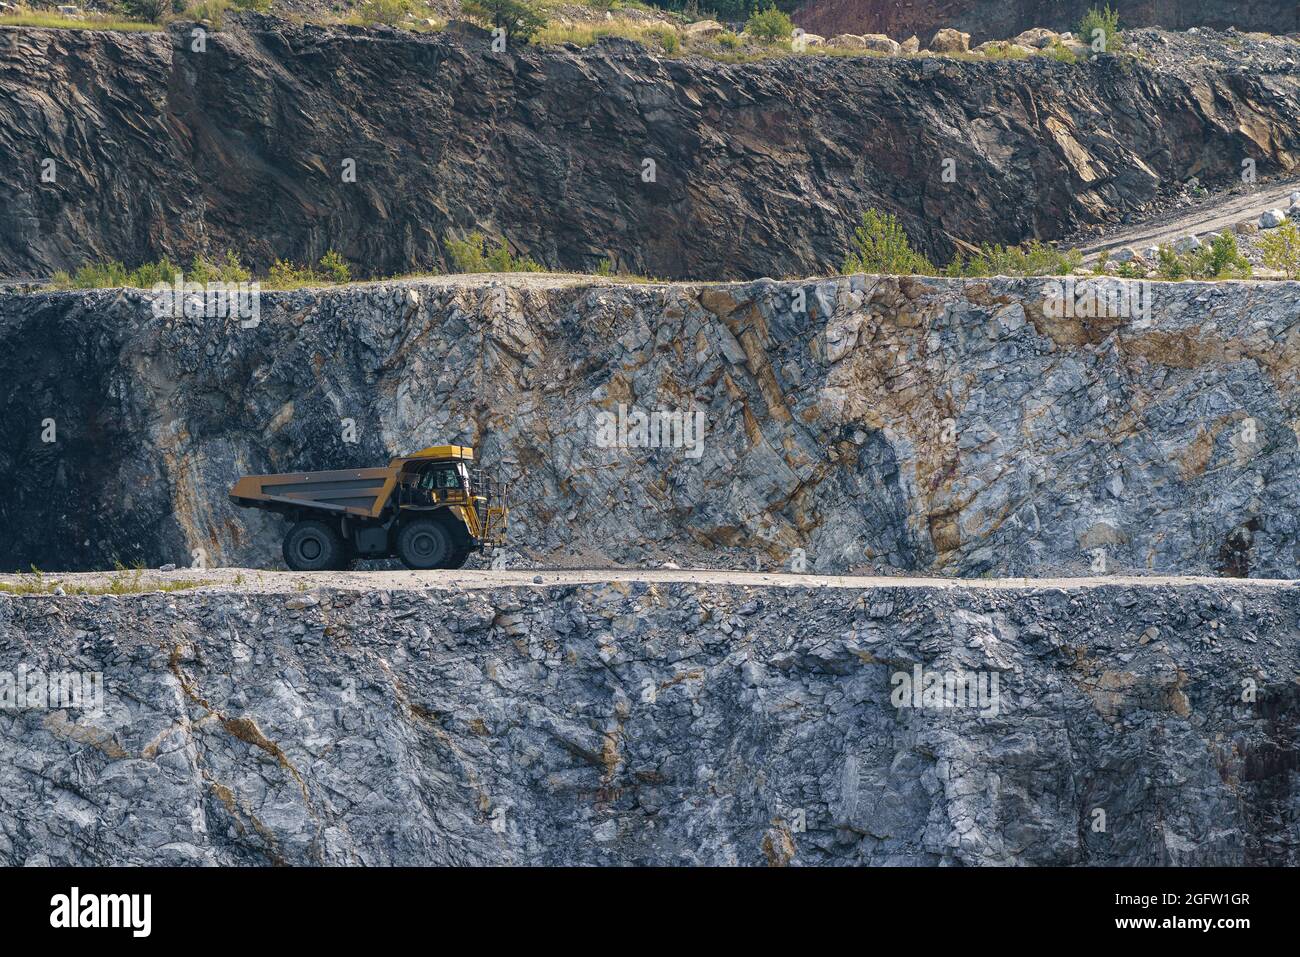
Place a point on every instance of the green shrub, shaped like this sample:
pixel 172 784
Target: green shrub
pixel 1032 259
pixel 728 39
pixel 386 12
pixel 521 18
pixel 257 6
pixel 881 246
pixel 668 39
pixel 1004 50
pixel 329 269
pixel 1059 51
pixel 226 269
pixel 1281 249
pixel 334 268
pixel 1100 29
pixel 477 253
pixel 1220 259
pixel 770 25
pixel 111 274
pixel 149 11
pixel 213 11
pixel 1170 265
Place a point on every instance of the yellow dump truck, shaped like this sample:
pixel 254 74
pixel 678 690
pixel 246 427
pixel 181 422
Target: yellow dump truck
pixel 431 509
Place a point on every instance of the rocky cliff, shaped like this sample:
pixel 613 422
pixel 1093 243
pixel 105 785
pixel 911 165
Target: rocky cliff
pixel 1003 19
pixel 135 145
pixel 658 720
pixel 898 425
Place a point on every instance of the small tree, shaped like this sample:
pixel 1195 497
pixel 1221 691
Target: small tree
pixel 1281 249
pixel 769 25
pixel 335 267
pixel 520 18
pixel 881 246
pixel 1100 29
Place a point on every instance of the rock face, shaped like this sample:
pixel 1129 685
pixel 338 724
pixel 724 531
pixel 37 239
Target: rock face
pixel 246 145
pixel 963 427
pixel 998 20
pixel 659 723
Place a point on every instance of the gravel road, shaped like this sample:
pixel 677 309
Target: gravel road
pixel 276 582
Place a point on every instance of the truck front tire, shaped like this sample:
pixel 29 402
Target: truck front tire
pixel 424 544
pixel 314 546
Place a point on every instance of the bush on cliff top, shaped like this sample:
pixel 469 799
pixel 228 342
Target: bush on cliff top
pixel 1100 30
pixel 520 18
pixel 769 25
pixel 1032 259
pixel 881 246
pixel 479 253
pixel 111 274
pixel 1219 259
pixel 1281 249
pixel 386 12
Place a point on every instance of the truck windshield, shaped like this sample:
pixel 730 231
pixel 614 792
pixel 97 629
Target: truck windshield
pixel 440 477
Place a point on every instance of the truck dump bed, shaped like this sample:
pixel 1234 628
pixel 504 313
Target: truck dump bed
pixel 361 492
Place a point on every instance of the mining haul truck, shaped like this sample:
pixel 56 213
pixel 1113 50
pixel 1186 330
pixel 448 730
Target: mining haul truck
pixel 430 510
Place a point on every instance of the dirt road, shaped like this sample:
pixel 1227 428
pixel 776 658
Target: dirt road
pixel 1214 214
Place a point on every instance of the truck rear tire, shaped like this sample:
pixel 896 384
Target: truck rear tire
pixel 314 546
pixel 424 544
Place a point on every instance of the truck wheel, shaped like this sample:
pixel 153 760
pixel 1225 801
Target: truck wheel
pixel 313 546
pixel 425 543
pixel 459 559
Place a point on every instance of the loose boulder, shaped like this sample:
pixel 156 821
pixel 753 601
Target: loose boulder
pixel 1037 38
pixel 848 41
pixel 880 43
pixel 702 29
pixel 1272 219
pixel 950 41
pixel 911 45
